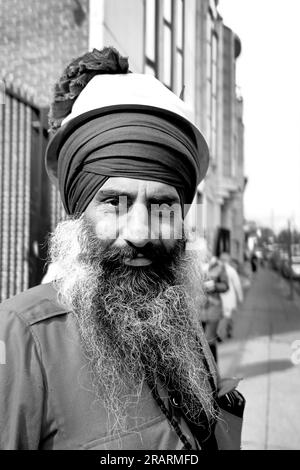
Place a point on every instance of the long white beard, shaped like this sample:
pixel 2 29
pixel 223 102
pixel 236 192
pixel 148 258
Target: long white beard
pixel 133 320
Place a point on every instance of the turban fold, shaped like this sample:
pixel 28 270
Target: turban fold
pixel 140 143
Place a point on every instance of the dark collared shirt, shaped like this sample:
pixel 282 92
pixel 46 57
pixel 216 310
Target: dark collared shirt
pixel 47 399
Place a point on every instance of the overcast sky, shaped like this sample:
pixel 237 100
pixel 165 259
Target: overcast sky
pixel 268 72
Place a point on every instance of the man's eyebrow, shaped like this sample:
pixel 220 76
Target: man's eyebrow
pixel 112 193
pixel 161 198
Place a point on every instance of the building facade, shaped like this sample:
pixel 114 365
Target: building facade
pixel 219 113
pixel 184 43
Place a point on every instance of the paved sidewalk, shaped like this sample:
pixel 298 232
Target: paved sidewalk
pixel 262 352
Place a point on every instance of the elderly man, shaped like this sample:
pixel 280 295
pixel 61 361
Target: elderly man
pixel 110 355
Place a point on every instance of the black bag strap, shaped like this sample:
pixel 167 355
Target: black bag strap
pixel 172 420
pixel 204 432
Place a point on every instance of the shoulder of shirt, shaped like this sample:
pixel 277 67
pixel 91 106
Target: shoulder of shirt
pixel 35 305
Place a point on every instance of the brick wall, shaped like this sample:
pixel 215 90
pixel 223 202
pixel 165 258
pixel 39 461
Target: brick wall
pixel 38 38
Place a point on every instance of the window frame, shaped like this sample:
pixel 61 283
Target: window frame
pixel 151 64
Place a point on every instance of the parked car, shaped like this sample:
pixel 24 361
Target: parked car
pixel 276 261
pixel 295 267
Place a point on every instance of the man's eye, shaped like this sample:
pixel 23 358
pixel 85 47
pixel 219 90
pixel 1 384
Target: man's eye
pixel 114 201
pixel 121 204
pixel 166 206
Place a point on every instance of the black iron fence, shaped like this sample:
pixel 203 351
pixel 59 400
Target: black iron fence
pixel 29 206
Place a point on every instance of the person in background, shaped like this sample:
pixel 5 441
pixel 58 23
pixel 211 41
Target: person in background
pixel 254 262
pixel 230 298
pixel 212 313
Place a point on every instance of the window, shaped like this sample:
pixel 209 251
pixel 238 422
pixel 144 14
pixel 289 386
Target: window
pixel 168 15
pixel 151 37
pixel 179 63
pixel 171 48
pixel 211 86
pixel 214 93
pixel 234 162
pixel 209 25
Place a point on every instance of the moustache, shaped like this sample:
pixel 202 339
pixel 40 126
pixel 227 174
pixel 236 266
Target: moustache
pixel 158 254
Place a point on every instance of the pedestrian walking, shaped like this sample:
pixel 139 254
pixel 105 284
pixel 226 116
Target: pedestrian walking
pixel 254 262
pixel 212 313
pixel 230 299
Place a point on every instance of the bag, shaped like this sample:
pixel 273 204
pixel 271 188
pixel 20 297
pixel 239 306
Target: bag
pixel 226 434
pixel 222 282
pixel 224 328
pixel 228 430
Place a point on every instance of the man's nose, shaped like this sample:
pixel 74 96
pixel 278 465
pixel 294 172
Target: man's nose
pixel 137 230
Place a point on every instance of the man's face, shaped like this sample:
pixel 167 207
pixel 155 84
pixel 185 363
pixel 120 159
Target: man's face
pixel 136 213
pixel 133 289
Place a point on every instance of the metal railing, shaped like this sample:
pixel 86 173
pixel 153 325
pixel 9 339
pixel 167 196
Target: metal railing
pixel 29 206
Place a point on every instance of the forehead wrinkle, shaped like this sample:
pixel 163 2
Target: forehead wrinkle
pixel 133 188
